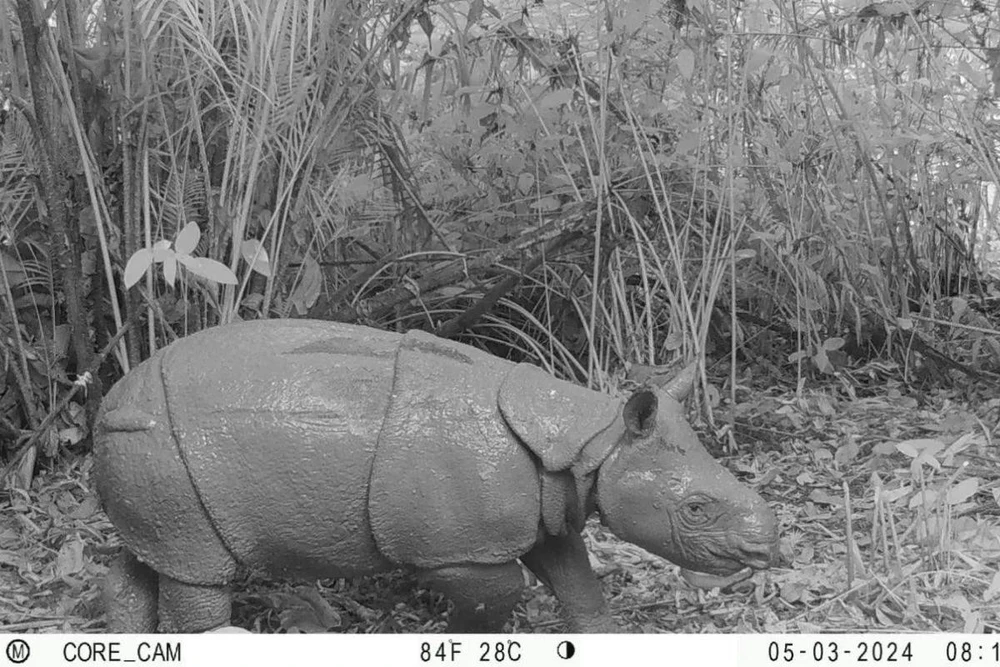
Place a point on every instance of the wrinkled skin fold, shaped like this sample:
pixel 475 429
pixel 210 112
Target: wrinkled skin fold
pixel 304 449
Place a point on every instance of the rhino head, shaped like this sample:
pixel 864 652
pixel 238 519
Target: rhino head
pixel 662 491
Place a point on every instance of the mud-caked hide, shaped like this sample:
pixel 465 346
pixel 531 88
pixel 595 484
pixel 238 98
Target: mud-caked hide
pixel 298 448
pixel 662 490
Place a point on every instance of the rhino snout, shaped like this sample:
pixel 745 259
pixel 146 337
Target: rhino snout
pixel 758 554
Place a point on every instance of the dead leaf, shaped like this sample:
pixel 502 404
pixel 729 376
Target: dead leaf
pixel 71 435
pixel 884 449
pixel 11 559
pixel 85 509
pixel 308 289
pixel 791 592
pixel 822 497
pixel 994 588
pixel 825 405
pixel 916 447
pixel 846 452
pixel 70 558
pixel 305 611
pixel 963 491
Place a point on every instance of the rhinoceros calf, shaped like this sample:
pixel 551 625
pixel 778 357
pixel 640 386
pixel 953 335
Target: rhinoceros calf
pixel 300 448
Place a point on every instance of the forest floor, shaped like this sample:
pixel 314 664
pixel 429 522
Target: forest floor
pixel 920 474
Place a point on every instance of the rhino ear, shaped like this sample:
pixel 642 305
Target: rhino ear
pixel 680 385
pixel 556 419
pixel 639 413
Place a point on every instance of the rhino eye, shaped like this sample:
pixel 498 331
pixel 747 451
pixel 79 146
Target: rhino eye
pixel 697 510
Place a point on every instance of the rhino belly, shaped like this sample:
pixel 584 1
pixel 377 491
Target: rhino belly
pixel 277 423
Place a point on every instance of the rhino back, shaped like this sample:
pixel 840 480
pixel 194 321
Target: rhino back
pixel 277 423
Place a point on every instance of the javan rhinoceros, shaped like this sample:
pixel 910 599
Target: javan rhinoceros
pixel 298 448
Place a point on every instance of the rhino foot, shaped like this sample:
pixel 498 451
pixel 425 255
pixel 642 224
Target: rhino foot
pixel 483 595
pixel 130 596
pixel 189 608
pixel 138 599
pixel 562 563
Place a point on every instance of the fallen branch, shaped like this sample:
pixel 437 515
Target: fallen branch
pixel 31 440
pixel 383 303
pixel 472 315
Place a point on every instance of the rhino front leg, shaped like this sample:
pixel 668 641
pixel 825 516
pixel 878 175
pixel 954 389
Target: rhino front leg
pixel 561 562
pixel 130 596
pixel 190 608
pixel 483 595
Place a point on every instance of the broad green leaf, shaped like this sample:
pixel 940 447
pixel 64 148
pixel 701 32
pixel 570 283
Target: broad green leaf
pixel 170 268
pixel 187 239
pixel 210 269
pixel 925 458
pixel 927 498
pixel 138 264
pixel 822 362
pixel 162 251
pixel 834 343
pixel 15 270
pixel 255 255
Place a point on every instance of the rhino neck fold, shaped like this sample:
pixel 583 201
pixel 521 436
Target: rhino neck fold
pixel 566 501
pixel 585 501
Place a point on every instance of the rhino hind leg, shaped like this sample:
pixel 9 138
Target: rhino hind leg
pixel 483 595
pixel 131 595
pixel 192 608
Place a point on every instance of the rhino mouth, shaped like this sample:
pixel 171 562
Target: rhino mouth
pixel 760 559
pixel 733 568
pixel 735 563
